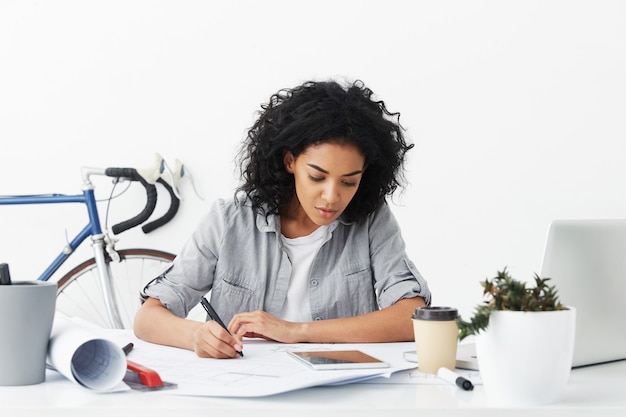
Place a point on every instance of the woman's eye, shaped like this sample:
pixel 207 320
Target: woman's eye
pixel 316 179
pixel 349 184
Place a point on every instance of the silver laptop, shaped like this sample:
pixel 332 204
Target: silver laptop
pixel 586 261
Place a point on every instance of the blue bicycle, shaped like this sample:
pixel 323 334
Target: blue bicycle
pixel 105 289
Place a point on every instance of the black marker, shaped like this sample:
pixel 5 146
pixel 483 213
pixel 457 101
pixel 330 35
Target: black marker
pixel 5 275
pixel 454 378
pixel 213 315
pixel 128 348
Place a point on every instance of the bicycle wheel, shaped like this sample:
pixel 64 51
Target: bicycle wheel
pixel 80 293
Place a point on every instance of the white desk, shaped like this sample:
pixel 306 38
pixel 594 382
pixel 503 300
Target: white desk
pixel 593 391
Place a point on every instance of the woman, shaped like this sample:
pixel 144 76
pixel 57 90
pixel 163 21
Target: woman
pixel 307 250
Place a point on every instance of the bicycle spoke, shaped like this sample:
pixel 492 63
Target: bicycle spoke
pixel 84 300
pixel 80 293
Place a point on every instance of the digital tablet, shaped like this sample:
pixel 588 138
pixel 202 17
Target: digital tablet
pixel 338 359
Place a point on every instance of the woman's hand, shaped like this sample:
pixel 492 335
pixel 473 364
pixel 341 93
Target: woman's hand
pixel 213 341
pixel 264 325
pixel 390 324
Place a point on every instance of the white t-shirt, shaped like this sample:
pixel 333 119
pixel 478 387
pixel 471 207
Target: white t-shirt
pixel 301 252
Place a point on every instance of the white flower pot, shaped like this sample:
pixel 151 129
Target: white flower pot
pixel 525 358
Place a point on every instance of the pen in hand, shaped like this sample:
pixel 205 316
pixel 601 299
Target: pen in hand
pixel 213 315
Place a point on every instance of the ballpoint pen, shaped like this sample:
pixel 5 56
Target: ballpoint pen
pixel 213 315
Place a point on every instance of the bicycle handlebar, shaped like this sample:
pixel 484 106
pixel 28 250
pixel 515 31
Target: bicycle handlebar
pixel 151 198
pixel 171 212
pixel 133 174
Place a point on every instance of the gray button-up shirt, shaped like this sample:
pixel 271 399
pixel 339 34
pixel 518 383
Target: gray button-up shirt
pixel 238 255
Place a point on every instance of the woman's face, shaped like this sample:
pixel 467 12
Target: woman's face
pixel 327 177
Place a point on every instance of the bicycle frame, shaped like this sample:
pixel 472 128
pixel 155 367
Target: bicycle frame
pixel 103 245
pixel 92 229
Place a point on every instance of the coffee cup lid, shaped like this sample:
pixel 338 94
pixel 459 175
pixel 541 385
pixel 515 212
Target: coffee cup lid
pixel 435 313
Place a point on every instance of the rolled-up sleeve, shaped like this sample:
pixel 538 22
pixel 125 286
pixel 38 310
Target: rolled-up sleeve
pixel 395 275
pixel 191 274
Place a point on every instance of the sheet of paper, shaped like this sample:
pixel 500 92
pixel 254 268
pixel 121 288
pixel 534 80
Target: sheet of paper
pixel 92 357
pixel 266 369
pixel 85 357
pixel 413 376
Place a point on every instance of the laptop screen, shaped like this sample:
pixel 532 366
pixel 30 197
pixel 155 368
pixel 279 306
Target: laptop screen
pixel 586 260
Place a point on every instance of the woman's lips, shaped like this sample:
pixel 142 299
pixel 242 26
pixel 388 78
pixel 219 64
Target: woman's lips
pixel 326 213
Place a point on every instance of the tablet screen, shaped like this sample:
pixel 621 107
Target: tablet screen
pixel 338 359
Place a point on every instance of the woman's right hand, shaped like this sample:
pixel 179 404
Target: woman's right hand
pixel 213 341
pixel 156 324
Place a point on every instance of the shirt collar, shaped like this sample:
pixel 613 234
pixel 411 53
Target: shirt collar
pixel 272 223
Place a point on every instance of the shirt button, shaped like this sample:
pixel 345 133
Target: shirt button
pixel 314 282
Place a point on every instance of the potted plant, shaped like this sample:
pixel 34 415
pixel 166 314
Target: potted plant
pixel 524 340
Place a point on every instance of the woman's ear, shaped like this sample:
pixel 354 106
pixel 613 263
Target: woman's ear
pixel 289 161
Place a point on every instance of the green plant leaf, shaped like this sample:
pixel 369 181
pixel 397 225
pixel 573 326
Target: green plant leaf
pixel 503 292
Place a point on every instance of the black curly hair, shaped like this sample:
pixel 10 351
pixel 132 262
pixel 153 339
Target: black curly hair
pixel 315 113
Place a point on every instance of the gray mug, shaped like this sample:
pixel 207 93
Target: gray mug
pixel 26 316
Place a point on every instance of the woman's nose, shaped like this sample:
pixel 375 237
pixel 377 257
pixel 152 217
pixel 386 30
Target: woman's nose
pixel 330 193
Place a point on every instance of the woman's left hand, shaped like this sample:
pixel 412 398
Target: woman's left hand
pixel 264 325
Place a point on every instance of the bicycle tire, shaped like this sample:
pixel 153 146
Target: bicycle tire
pixel 80 294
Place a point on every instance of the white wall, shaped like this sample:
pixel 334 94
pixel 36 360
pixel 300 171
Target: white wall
pixel 516 109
